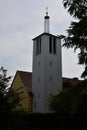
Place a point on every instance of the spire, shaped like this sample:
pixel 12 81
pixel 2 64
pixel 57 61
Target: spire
pixel 46 22
pixel 46 11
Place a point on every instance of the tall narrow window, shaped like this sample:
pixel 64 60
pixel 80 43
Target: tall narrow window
pixel 38 45
pixel 54 45
pixel 50 44
pixel 39 95
pixel 51 79
pixel 39 79
pixel 35 105
pixel 39 64
pixel 50 63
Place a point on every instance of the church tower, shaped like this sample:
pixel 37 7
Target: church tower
pixel 47 68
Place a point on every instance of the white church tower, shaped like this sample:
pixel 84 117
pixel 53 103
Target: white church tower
pixel 47 68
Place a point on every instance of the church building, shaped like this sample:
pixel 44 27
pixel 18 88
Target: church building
pixel 47 68
pixel 46 78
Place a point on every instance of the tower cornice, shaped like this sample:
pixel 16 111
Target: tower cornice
pixel 46 34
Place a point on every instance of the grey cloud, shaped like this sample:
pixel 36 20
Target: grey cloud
pixel 20 22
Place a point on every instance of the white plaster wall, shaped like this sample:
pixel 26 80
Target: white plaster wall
pixel 45 87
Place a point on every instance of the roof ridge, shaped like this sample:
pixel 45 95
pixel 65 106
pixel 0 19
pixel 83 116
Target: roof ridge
pixel 23 71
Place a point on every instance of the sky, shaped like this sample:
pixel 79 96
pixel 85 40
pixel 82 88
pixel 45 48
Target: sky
pixel 20 22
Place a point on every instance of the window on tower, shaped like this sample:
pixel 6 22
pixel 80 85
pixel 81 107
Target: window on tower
pixel 39 64
pixel 35 105
pixel 51 79
pixel 50 63
pixel 38 95
pixel 39 79
pixel 38 46
pixel 52 45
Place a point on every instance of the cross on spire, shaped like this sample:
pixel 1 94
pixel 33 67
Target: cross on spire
pixel 47 11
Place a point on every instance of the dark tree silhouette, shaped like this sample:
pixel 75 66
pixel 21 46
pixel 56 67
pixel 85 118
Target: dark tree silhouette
pixel 77 32
pixel 9 99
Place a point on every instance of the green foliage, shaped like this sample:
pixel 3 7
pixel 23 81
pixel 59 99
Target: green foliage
pixel 76 8
pixel 40 121
pixel 59 103
pixel 71 100
pixel 77 32
pixel 8 99
pixel 4 83
pixel 13 99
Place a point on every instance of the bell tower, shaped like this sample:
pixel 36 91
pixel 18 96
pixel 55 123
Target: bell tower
pixel 47 68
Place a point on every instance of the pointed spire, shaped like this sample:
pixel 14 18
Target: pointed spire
pixel 46 22
pixel 47 11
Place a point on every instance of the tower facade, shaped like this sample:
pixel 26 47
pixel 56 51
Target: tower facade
pixel 47 68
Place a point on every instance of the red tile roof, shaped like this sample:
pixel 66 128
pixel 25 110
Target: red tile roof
pixel 68 82
pixel 26 77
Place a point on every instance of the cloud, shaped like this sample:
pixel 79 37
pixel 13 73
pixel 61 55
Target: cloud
pixel 70 65
pixel 20 22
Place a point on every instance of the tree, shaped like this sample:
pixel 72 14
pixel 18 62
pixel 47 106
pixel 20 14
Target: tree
pixel 8 100
pixel 14 98
pixel 71 100
pixel 77 32
pixel 4 83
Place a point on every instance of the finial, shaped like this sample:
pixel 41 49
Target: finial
pixel 47 11
pixel 46 22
